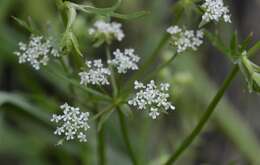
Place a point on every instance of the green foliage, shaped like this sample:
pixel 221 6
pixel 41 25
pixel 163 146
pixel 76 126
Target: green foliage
pixel 121 135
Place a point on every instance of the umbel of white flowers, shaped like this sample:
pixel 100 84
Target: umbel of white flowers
pixel 97 74
pixel 107 31
pixel 36 52
pixel 152 97
pixel 124 61
pixel 72 123
pixel 215 10
pixel 184 39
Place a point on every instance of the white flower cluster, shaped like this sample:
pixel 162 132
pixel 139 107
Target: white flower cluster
pixel 215 10
pixel 96 75
pixel 109 30
pixel 72 123
pixel 184 39
pixel 36 52
pixel 153 97
pixel 124 60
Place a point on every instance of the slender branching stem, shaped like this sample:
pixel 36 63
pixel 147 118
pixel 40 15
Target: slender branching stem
pixel 149 61
pixel 155 53
pixel 59 4
pixel 120 114
pixel 101 147
pixel 161 67
pixel 113 79
pixel 66 69
pixel 205 117
pixel 124 131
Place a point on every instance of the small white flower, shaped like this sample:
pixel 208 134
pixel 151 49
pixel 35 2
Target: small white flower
pixel 124 61
pixel 152 97
pixel 72 123
pixel 36 52
pixel 96 75
pixel 107 30
pixel 82 137
pixel 138 85
pixel 154 113
pixel 184 39
pixel 59 131
pixel 215 10
pixel 173 29
pixel 165 86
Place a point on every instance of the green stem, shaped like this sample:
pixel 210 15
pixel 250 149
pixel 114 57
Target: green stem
pixel 150 60
pixel 124 131
pixel 113 79
pixel 101 147
pixel 120 114
pixel 205 117
pixel 162 66
pixel 66 69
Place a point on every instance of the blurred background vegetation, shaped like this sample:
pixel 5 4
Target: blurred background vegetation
pixel 28 97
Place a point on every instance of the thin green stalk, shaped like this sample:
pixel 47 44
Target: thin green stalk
pixel 120 114
pixel 124 131
pixel 60 6
pixel 66 69
pixel 152 74
pixel 113 79
pixel 101 147
pixel 150 60
pixel 205 117
pixel 162 66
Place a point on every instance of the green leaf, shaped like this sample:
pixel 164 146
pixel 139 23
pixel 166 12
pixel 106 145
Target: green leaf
pixel 246 42
pixel 106 110
pixel 234 54
pixel 71 16
pixel 115 6
pixel 69 43
pixel 217 42
pixel 251 73
pixel 75 44
pixel 130 16
pixel 24 24
pixel 109 12
pixel 66 44
pixel 256 84
pixel 177 11
pixel 103 119
pixel 77 84
pixel 254 49
pixel 20 101
pixel 99 42
pixel 94 10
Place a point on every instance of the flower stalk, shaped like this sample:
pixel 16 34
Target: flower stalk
pixel 124 131
pixel 205 117
pixel 113 79
pixel 101 147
